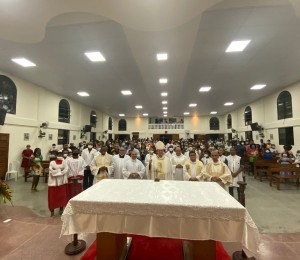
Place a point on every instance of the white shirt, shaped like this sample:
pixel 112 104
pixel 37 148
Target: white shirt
pixel 118 164
pixel 88 156
pixel 234 164
pixel 169 154
pixel 75 167
pixel 133 166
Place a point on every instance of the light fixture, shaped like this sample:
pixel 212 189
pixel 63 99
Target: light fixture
pixel 186 113
pixel 163 81
pixel 23 62
pixel 165 115
pixel 162 56
pixel 205 89
pixel 164 102
pixel 192 105
pixel 165 108
pixel 138 107
pixel 83 94
pixel 258 86
pixel 213 112
pixel 145 114
pixel 236 46
pixel 121 114
pixel 228 104
pixel 126 92
pixel 95 56
pixel 164 94
pixel 165 112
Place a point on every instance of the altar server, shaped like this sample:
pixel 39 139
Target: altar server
pixel 118 163
pixel 133 168
pixel 178 160
pixel 193 168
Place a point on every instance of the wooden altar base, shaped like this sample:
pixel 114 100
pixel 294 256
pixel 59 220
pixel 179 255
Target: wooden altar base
pixel 199 249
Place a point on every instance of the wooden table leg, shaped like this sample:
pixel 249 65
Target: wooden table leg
pixel 278 183
pixel 199 249
pixel 111 246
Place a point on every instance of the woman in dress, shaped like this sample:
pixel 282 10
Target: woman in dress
pixel 26 160
pixel 58 184
pixel 36 168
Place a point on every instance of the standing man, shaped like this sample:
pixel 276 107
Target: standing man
pixel 132 148
pixel 159 167
pixel 222 157
pixel 118 163
pixel 101 166
pixel 26 161
pixel 193 168
pixel 133 168
pixel 178 160
pixel 88 154
pixel 170 153
pixel 217 171
pixel 236 166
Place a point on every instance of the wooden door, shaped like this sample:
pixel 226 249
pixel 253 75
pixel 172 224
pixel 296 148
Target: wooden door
pixel 4 146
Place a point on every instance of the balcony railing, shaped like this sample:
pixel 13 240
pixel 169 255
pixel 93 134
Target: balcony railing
pixel 165 126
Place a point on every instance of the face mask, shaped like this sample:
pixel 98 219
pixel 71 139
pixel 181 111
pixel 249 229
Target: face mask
pixel 267 151
pixel 202 147
pixel 171 149
pixel 90 146
pixel 60 158
pixel 284 155
pixel 273 147
pixel 190 148
pixel 65 155
pixel 205 155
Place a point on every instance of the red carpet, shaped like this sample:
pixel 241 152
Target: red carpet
pixel 146 248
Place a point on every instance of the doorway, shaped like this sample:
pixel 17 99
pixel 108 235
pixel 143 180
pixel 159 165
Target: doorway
pixel 4 147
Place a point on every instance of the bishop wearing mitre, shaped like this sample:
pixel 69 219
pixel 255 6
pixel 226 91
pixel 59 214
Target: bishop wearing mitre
pixel 159 167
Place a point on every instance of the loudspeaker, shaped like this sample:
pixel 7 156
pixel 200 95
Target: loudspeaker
pixel 87 128
pixel 2 116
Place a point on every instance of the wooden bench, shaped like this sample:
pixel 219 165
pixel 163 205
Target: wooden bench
pixel 275 175
pixel 45 165
pixel 261 167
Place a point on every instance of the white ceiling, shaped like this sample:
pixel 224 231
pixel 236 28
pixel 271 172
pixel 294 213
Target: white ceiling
pixel 129 33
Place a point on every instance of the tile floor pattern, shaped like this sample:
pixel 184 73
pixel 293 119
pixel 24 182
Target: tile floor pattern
pixel 32 234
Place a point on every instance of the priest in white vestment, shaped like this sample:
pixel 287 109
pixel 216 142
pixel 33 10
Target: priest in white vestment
pixel 170 153
pixel 133 168
pixel 118 163
pixel 159 167
pixel 217 171
pixel 178 160
pixel 148 161
pixel 101 165
pixel 193 168
pixel 235 165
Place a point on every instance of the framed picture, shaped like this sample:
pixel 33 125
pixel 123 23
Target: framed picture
pixel 50 137
pixel 271 136
pixel 26 136
pixel 74 137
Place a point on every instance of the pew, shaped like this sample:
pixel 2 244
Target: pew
pixel 261 166
pixel 45 165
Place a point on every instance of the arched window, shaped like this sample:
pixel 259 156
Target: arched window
pixel 110 123
pixel 214 123
pixel 248 115
pixel 93 118
pixel 8 94
pixel 64 111
pixel 122 125
pixel 229 122
pixel 284 105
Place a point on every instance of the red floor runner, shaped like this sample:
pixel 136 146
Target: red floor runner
pixel 146 248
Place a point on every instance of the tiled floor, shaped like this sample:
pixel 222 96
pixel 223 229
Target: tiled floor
pixel 32 234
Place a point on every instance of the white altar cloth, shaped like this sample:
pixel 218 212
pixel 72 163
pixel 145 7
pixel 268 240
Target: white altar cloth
pixel 173 209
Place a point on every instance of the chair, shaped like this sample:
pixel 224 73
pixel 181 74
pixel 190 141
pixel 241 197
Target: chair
pixel 13 169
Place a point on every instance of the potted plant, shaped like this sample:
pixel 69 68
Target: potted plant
pixel 5 192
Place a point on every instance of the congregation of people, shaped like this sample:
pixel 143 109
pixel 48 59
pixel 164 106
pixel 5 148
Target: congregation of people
pixel 73 169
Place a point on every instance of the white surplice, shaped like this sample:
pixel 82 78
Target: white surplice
pixel 118 164
pixel 133 166
pixel 178 172
pixel 75 167
pixel 234 164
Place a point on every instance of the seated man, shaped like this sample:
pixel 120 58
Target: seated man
pixel 193 168
pixel 133 168
pixel 217 171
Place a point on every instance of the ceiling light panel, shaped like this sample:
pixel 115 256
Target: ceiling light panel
pixel 164 102
pixel 237 46
pixel 121 114
pixel 138 107
pixel 23 62
pixel 161 56
pixel 126 92
pixel 213 112
pixel 228 104
pixel 258 86
pixel 205 89
pixel 165 108
pixel 192 105
pixel 164 94
pixel 163 81
pixel 165 112
pixel 95 56
pixel 186 113
pixel 145 114
pixel 83 94
pixel 165 115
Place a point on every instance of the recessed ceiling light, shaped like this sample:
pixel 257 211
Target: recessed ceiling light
pixel 205 89
pixel 138 107
pixel 145 114
pixel 192 105
pixel 186 113
pixel 236 46
pixel 162 56
pixel 164 94
pixel 121 114
pixel 164 102
pixel 228 104
pixel 258 86
pixel 165 112
pixel 23 62
pixel 95 56
pixel 163 81
pixel 165 115
pixel 83 94
pixel 126 92
pixel 213 112
pixel 165 108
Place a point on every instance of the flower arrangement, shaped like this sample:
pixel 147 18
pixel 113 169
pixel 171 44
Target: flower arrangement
pixel 5 192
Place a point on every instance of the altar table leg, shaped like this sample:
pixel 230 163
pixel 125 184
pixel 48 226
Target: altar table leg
pixel 111 246
pixel 199 249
